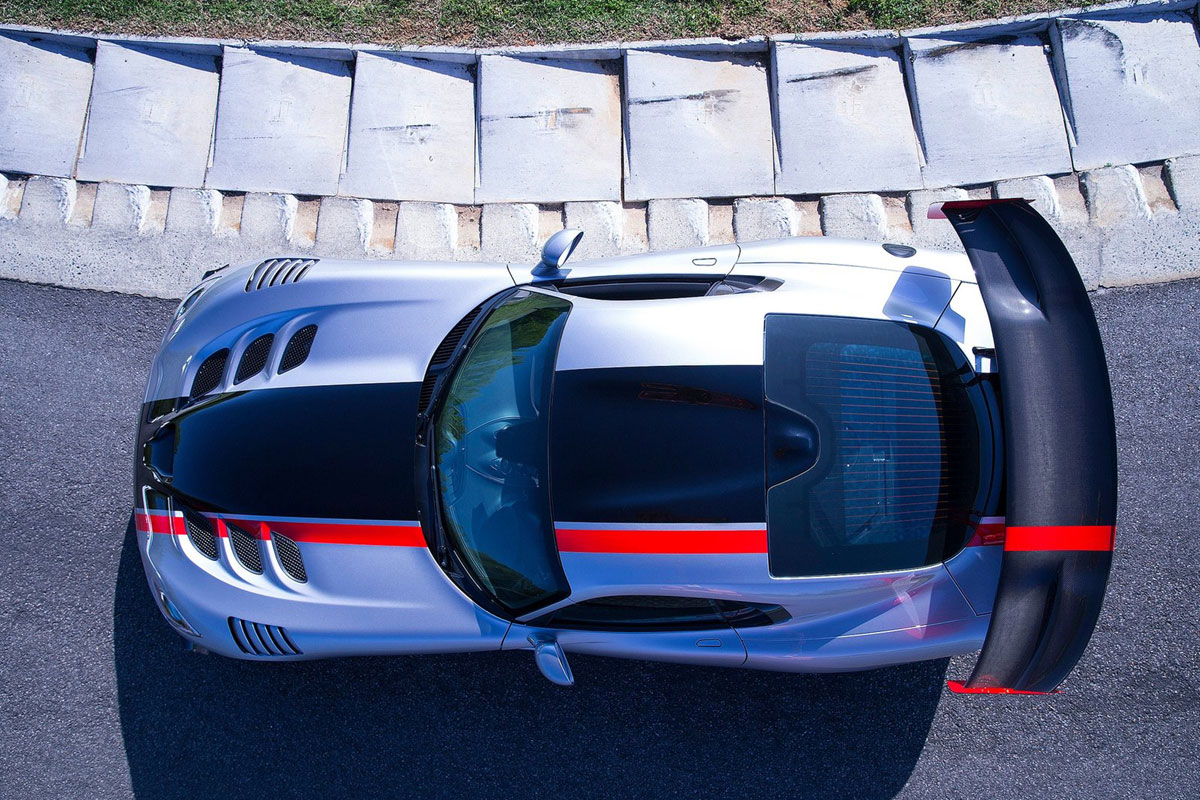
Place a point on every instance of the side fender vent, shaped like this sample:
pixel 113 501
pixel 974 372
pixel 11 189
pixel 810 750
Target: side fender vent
pixel 257 639
pixel 245 547
pixel 208 377
pixel 254 358
pixel 200 532
pixel 289 556
pixel 278 271
pixel 298 347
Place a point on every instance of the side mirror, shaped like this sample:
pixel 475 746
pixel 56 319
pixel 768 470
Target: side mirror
pixel 556 251
pixel 551 660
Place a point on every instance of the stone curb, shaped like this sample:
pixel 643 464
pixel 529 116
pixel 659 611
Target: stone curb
pixel 1124 225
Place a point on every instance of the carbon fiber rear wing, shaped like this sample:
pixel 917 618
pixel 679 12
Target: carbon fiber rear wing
pixel 1060 447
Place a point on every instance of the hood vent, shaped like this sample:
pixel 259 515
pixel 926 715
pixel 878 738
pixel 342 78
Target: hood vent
pixel 254 358
pixel 296 352
pixel 245 547
pixel 278 271
pixel 208 377
pixel 200 532
pixel 289 556
pixel 257 639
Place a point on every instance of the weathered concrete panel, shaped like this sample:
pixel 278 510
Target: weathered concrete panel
pixel 699 125
pixel 151 117
pixel 549 131
pixel 412 130
pixel 844 121
pixel 1134 88
pixel 987 111
pixel 44 89
pixel 281 123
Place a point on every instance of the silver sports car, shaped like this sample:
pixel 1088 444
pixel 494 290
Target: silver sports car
pixel 805 454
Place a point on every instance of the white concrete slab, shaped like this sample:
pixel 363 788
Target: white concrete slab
pixel 412 130
pixel 549 131
pixel 44 89
pixel 281 123
pixel 151 117
pixel 698 126
pixel 844 124
pixel 987 111
pixel 1133 88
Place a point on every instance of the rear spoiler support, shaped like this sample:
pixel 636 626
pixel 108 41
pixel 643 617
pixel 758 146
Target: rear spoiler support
pixel 1060 447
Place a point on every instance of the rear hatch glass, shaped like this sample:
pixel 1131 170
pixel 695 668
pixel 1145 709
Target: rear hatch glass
pixel 873 445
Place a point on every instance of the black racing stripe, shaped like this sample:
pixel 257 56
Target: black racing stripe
pixel 343 452
pixel 658 444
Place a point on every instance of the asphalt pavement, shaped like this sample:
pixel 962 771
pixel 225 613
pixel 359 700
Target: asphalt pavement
pixel 98 698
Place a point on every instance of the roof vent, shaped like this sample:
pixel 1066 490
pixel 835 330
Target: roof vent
pixel 208 377
pixel 297 348
pixel 278 271
pixel 257 639
pixel 254 358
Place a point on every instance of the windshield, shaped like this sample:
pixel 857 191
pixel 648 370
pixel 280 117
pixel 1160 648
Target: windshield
pixel 491 454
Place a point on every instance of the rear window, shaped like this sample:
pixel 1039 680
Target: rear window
pixel 890 421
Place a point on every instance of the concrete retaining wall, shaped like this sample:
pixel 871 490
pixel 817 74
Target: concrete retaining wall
pixel 135 164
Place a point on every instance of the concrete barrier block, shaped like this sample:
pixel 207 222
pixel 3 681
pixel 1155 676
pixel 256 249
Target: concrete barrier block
pixel 281 123
pixel 1165 248
pixel 549 131
pixel 195 211
pixel 936 233
pixel 699 125
pixel 1133 87
pixel 1038 189
pixel 1183 179
pixel 987 110
pixel 854 216
pixel 1114 195
pixel 509 232
pixel 10 197
pixel 151 117
pixel 47 201
pixel 758 218
pixel 344 226
pixel 426 231
pixel 120 207
pixel 844 121
pixel 412 130
pixel 44 90
pixel 677 224
pixel 602 223
pixel 265 220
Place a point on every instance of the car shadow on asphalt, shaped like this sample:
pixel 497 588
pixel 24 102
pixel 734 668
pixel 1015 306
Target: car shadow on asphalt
pixel 488 725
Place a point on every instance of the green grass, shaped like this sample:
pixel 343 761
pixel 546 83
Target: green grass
pixel 496 22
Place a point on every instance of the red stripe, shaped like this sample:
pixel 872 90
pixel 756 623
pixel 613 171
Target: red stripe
pixel 351 533
pixel 958 687
pixel 310 531
pixel 698 540
pixel 1060 537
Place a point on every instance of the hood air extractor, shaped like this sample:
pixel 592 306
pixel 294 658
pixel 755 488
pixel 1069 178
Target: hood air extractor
pixel 278 271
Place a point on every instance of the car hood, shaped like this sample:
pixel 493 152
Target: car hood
pixel 330 452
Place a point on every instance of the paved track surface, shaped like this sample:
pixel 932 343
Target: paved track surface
pixel 99 699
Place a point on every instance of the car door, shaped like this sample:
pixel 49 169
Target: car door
pixel 689 630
